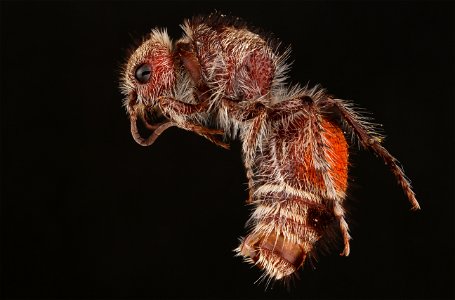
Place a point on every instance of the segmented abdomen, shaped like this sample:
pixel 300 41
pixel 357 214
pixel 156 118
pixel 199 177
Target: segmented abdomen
pixel 302 172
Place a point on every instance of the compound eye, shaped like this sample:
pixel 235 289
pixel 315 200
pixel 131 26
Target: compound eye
pixel 143 73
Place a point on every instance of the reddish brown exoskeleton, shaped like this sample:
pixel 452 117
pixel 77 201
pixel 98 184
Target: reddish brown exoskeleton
pixel 221 80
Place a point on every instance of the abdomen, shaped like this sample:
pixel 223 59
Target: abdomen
pixel 302 171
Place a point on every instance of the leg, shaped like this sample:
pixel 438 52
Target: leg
pixel 185 51
pixel 177 110
pixel 256 113
pixel 174 106
pixel 369 139
pixel 208 133
pixel 338 211
pixel 244 110
pixel 250 144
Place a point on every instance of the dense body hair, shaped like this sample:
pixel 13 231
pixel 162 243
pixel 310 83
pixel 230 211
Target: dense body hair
pixel 224 81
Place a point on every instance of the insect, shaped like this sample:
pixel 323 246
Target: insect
pixel 223 81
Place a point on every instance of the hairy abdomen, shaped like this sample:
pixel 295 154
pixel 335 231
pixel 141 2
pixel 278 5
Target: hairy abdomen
pixel 295 192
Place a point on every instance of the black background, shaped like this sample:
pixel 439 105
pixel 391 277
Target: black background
pixel 88 213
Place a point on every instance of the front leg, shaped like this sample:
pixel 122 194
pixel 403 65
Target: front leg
pixel 178 111
pixel 186 53
pixel 179 108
